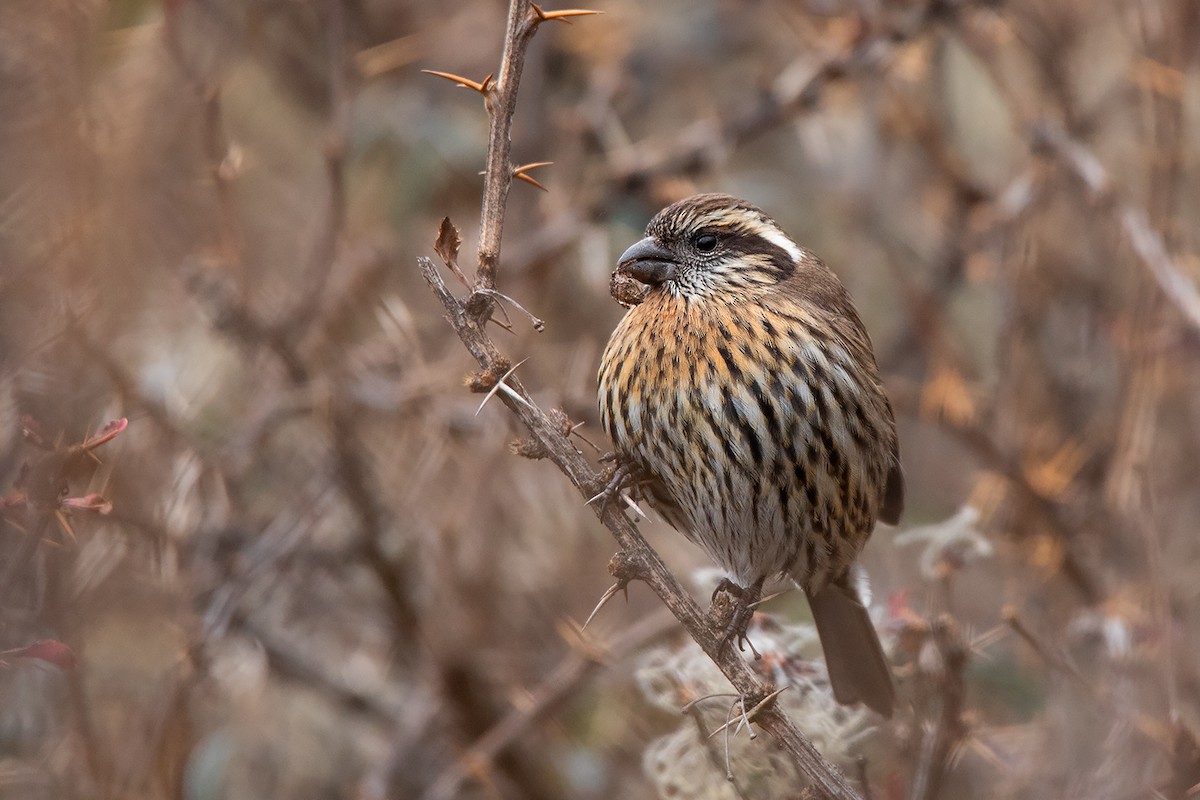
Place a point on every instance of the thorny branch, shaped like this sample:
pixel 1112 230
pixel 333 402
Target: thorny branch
pixel 468 319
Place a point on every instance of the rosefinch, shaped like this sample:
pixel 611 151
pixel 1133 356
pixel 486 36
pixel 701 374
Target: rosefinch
pixel 744 390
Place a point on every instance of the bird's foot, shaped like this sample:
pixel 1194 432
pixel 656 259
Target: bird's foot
pixel 621 476
pixel 744 601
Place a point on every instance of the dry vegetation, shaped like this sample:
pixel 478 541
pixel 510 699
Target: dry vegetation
pixel 307 567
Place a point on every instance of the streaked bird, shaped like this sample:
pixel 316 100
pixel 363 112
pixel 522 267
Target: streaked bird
pixel 744 390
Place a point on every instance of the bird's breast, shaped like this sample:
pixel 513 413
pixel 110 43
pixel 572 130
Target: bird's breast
pixel 754 425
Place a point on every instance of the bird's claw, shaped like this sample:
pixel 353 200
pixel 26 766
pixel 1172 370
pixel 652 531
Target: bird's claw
pixel 623 475
pixel 744 601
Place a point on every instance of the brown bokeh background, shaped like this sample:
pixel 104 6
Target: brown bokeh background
pixel 325 575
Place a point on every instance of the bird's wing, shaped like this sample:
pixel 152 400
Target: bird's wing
pixel 815 286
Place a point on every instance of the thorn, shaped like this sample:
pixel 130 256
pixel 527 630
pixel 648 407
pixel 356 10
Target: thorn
pixel 561 16
pixel 688 708
pixel 502 325
pixel 483 87
pixel 609 594
pixel 629 502
pixel 728 720
pixel 509 391
pixel 521 173
pixel 507 319
pixel 772 596
pixel 538 324
pixel 530 180
pixel 749 715
pixel 66 524
pixel 575 432
pixel 769 698
pixel 499 385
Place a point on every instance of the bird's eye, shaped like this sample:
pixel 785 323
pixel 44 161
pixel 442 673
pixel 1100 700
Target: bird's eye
pixel 705 242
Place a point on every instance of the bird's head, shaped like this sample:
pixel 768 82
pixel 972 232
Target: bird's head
pixel 711 244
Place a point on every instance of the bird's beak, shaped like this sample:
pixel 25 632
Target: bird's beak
pixel 648 262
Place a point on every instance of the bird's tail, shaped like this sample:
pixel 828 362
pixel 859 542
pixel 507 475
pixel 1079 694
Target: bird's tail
pixel 858 670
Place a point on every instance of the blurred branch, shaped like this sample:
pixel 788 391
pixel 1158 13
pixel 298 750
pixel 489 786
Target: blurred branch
pixel 18 561
pixel 980 439
pixel 354 473
pixel 1098 695
pixel 216 146
pixel 1059 143
pixel 795 89
pixel 304 662
pixel 639 559
pixel 1147 244
pixel 233 317
pixel 315 280
pixel 575 669
pixel 946 730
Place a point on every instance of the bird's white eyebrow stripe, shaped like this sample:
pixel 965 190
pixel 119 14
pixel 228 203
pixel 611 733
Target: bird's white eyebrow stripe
pixel 780 240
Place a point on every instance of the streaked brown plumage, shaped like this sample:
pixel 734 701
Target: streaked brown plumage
pixel 745 388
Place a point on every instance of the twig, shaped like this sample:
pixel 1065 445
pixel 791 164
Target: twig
pixel 502 104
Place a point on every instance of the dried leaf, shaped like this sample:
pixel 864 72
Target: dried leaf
pixel 448 241
pixel 446 245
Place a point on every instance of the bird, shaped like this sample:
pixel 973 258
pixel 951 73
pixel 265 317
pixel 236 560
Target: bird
pixel 742 389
